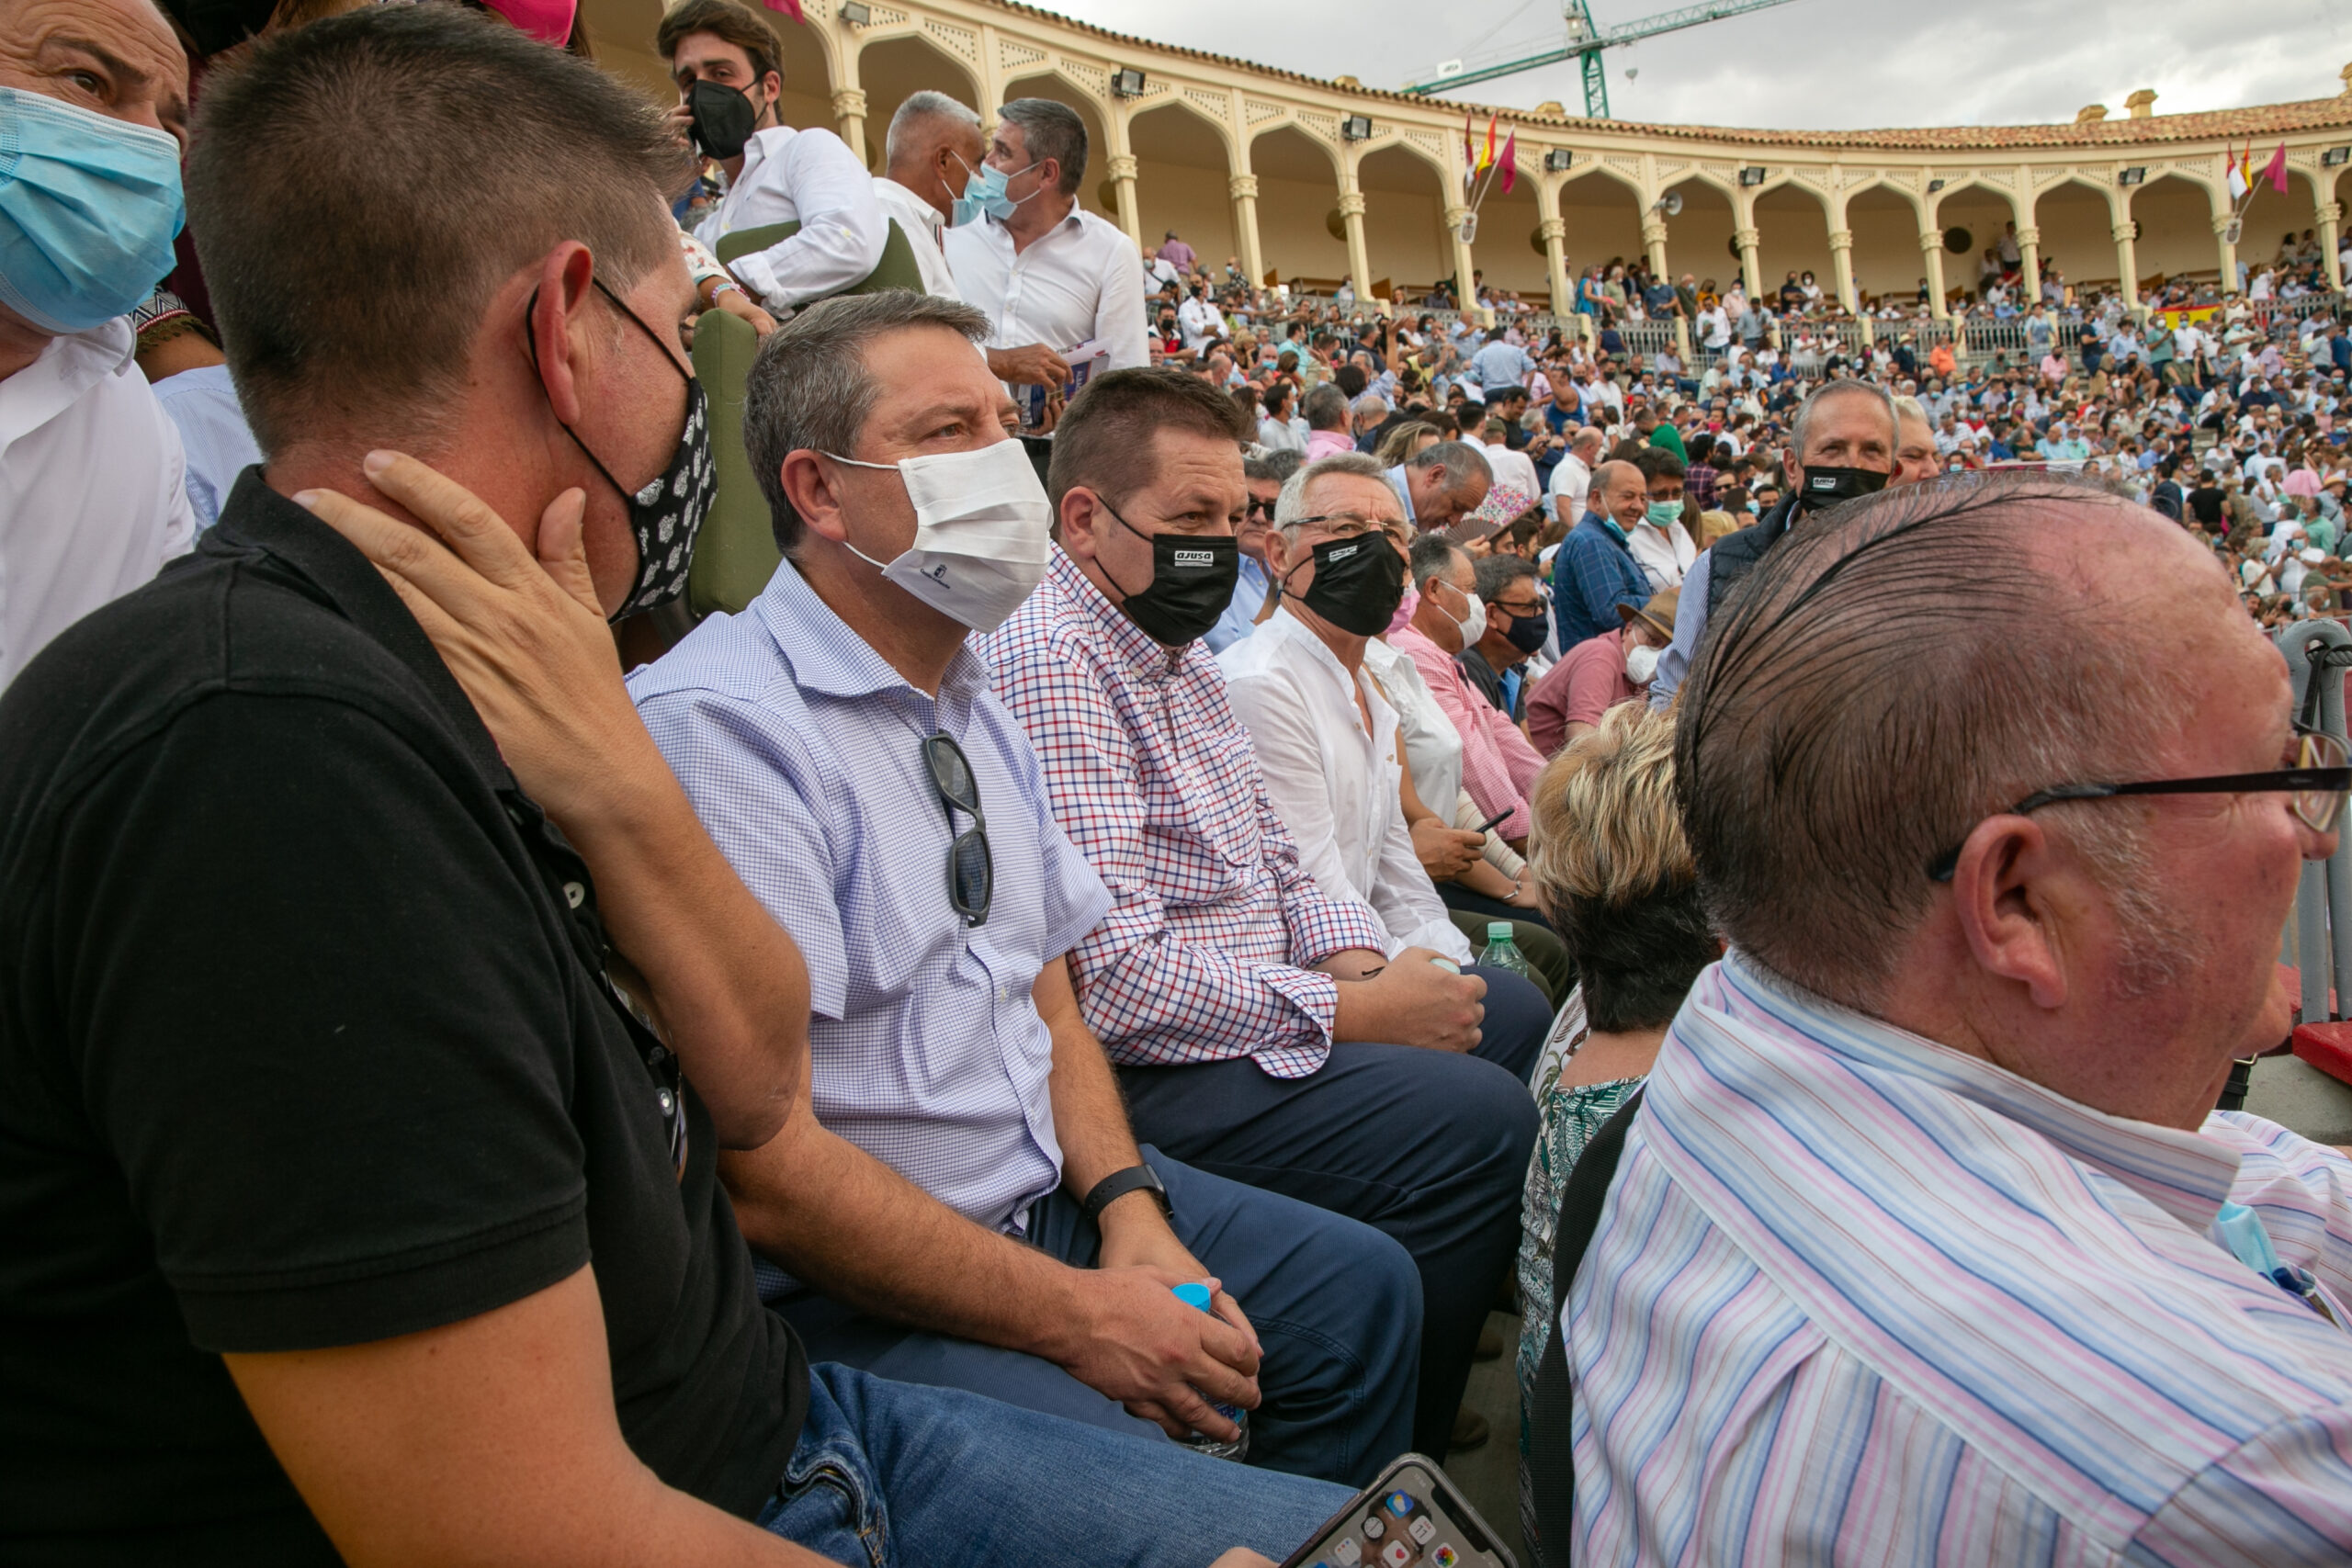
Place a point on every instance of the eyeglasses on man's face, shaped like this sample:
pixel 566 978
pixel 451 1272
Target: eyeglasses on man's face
pixel 2314 773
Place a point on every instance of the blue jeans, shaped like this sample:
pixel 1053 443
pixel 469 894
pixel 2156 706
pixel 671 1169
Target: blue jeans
pixel 1429 1146
pixel 889 1474
pixel 1335 1304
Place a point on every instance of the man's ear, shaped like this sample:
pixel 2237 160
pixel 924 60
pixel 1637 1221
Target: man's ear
pixel 557 326
pixel 2010 888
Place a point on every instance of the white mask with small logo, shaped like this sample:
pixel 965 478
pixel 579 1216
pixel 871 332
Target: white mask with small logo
pixel 981 532
pixel 1640 663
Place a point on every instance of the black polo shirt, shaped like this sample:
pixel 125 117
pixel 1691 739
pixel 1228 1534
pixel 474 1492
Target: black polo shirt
pixel 305 1042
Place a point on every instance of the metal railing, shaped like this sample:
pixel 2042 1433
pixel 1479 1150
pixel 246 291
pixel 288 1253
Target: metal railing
pixel 2319 941
pixel 1649 338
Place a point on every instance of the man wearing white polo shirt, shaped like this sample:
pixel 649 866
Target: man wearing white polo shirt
pixel 1045 272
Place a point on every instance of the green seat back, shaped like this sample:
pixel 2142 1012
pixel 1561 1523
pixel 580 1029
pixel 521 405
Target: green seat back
pixel 897 268
pixel 735 554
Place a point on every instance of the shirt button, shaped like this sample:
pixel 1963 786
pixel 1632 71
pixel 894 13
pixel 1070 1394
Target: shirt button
pixel 574 894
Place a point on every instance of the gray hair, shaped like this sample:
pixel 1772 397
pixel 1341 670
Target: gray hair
pixel 917 109
pixel 1326 407
pixel 1461 462
pixel 809 388
pixel 1911 408
pixel 1841 388
pixel 1827 753
pixel 1433 555
pixel 1290 508
pixel 1370 403
pixel 1276 464
pixel 1051 130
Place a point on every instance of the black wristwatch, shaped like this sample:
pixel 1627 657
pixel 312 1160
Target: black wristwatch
pixel 1119 1183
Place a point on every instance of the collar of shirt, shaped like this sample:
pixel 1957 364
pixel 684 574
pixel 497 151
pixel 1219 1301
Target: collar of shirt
pixel 68 366
pixel 910 204
pixel 827 655
pixel 1149 660
pixel 1609 526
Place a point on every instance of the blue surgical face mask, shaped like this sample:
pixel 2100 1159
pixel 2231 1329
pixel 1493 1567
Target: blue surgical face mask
pixel 89 207
pixel 984 193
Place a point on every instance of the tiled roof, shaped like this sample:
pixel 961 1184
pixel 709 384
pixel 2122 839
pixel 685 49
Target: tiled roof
pixel 2265 119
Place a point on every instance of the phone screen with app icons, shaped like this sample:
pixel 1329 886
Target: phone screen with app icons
pixel 1411 1518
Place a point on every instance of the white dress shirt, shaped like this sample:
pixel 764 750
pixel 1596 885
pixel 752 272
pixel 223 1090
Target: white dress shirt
pixel 1081 281
pixel 1432 746
pixel 1664 554
pixel 1335 787
pixel 93 490
pixel 922 225
pixel 213 435
pixel 1516 469
pixel 1571 482
pixel 1201 321
pixel 810 177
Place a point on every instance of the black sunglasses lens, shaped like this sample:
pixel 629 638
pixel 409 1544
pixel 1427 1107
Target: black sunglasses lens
pixel 950 773
pixel 970 874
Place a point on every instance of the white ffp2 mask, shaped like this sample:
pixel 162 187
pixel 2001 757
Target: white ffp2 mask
pixel 981 522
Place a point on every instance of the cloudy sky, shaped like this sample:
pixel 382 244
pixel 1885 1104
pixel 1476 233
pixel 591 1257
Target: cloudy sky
pixel 1829 64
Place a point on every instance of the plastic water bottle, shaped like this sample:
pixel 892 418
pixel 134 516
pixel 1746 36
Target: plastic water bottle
pixel 1194 1295
pixel 1502 952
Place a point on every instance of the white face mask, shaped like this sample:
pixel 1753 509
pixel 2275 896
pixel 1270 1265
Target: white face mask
pixel 1475 626
pixel 981 541
pixel 1640 663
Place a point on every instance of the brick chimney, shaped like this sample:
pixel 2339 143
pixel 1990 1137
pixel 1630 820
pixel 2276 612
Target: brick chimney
pixel 2141 104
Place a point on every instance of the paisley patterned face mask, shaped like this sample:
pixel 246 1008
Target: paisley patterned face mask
pixel 667 511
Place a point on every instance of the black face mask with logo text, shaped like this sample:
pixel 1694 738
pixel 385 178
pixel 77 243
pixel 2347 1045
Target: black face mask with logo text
pixel 1193 578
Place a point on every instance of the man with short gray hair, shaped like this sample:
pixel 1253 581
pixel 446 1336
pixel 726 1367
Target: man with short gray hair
pixel 927 158
pixel 1842 443
pixel 1442 484
pixel 958 1201
pixel 1926 1243
pixel 1044 270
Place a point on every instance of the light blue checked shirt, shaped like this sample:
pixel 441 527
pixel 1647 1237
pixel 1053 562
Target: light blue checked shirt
pixel 802 752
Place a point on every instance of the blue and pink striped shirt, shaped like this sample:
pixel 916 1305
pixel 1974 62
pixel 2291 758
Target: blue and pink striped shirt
pixel 1858 1298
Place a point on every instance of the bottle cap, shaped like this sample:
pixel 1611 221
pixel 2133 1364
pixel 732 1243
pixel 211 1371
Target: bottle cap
pixel 1192 1294
pixel 1498 931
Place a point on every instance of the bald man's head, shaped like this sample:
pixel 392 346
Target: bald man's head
pixel 1619 493
pixel 1909 663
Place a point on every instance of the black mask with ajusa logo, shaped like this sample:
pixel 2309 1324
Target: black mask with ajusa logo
pixel 1193 578
pixel 1359 582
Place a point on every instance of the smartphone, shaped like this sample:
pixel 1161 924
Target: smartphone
pixel 1412 1517
pixel 1491 823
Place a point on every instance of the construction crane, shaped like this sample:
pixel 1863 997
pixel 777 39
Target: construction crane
pixel 1583 44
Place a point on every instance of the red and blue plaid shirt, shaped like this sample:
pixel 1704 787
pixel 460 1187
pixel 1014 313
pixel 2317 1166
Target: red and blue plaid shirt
pixel 1213 919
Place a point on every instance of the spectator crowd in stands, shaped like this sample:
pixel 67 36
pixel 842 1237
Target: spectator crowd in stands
pixel 1105 957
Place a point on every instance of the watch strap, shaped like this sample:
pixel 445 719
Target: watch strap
pixel 1119 1183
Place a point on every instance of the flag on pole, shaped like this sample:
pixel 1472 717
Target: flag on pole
pixel 2236 174
pixel 789 8
pixel 1510 160
pixel 1469 150
pixel 2276 170
pixel 1486 154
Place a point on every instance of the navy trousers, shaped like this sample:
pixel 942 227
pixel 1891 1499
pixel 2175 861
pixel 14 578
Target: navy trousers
pixel 1335 1304
pixel 1429 1146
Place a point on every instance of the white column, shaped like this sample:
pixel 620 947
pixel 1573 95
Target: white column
pixel 1465 269
pixel 1653 242
pixel 1359 253
pixel 2030 260
pixel 2329 214
pixel 1555 263
pixel 1750 274
pixel 1842 261
pixel 1931 257
pixel 1123 182
pixel 2227 252
pixel 2127 261
pixel 849 118
pixel 1243 189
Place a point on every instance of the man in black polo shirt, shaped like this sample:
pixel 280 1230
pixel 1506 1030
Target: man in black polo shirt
pixel 349 1212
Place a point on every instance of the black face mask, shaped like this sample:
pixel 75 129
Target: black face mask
pixel 1193 578
pixel 1828 486
pixel 1359 582
pixel 1527 632
pixel 723 120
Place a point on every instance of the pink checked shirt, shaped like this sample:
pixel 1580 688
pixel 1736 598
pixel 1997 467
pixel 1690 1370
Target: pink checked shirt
pixel 1212 916
pixel 1499 765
